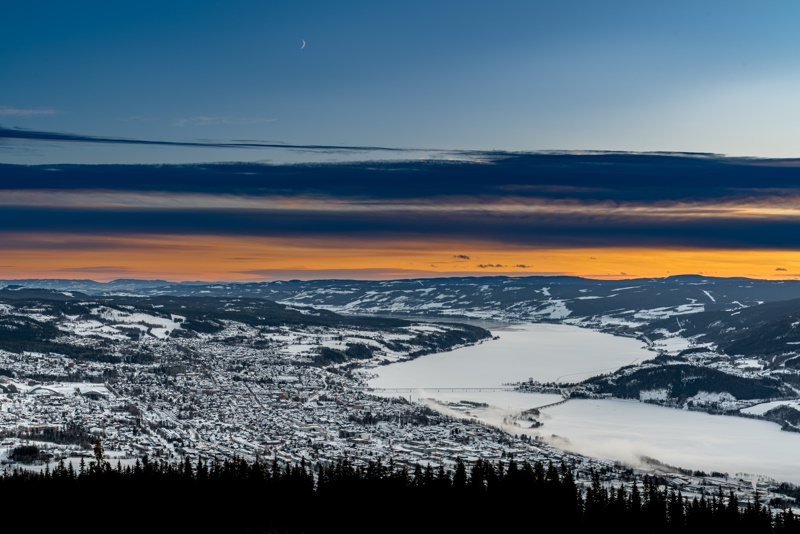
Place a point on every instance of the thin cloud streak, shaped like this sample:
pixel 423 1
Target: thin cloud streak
pixel 60 241
pixel 33 135
pixel 213 121
pixel 747 208
pixel 17 112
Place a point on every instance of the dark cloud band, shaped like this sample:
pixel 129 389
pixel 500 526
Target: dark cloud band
pixel 613 178
pixel 529 230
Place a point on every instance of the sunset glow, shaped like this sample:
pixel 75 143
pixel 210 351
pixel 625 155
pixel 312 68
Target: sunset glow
pixel 215 258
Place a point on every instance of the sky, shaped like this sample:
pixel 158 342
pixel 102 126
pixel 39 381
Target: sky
pixel 275 140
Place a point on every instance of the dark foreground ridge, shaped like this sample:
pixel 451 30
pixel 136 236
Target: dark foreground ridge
pixel 237 496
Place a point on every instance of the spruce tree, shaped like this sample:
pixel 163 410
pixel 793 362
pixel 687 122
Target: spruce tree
pixel 460 477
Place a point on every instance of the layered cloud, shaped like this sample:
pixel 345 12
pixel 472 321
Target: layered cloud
pixel 484 211
pixel 539 200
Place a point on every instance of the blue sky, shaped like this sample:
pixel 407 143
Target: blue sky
pixel 686 76
pixel 210 90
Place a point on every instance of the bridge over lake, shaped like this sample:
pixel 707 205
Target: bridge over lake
pixel 444 389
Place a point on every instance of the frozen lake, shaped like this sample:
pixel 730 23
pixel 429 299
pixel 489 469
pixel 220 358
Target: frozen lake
pixel 626 430
pixel 612 429
pixel 544 352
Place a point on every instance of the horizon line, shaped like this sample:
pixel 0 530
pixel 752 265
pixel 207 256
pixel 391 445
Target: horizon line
pixel 449 277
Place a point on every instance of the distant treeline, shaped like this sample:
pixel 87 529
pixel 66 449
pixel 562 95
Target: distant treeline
pixel 70 434
pixel 237 496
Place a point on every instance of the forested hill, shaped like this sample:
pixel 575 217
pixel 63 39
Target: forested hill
pixel 236 496
pixel 111 328
pixel 770 328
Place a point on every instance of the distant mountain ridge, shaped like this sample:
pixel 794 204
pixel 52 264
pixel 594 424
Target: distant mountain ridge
pixel 630 302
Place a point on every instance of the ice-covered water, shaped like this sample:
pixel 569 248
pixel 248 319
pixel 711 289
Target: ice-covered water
pixel 544 352
pixel 612 429
pixel 626 430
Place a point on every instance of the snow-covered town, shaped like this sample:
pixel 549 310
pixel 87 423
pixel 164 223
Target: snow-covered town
pixel 255 392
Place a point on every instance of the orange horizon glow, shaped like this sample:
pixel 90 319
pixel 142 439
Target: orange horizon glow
pixel 241 259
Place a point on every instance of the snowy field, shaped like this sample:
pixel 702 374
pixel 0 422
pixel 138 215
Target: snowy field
pixel 764 407
pixel 76 463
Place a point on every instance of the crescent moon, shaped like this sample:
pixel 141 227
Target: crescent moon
pixel 304 44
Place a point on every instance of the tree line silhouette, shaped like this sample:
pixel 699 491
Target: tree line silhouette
pixel 240 496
